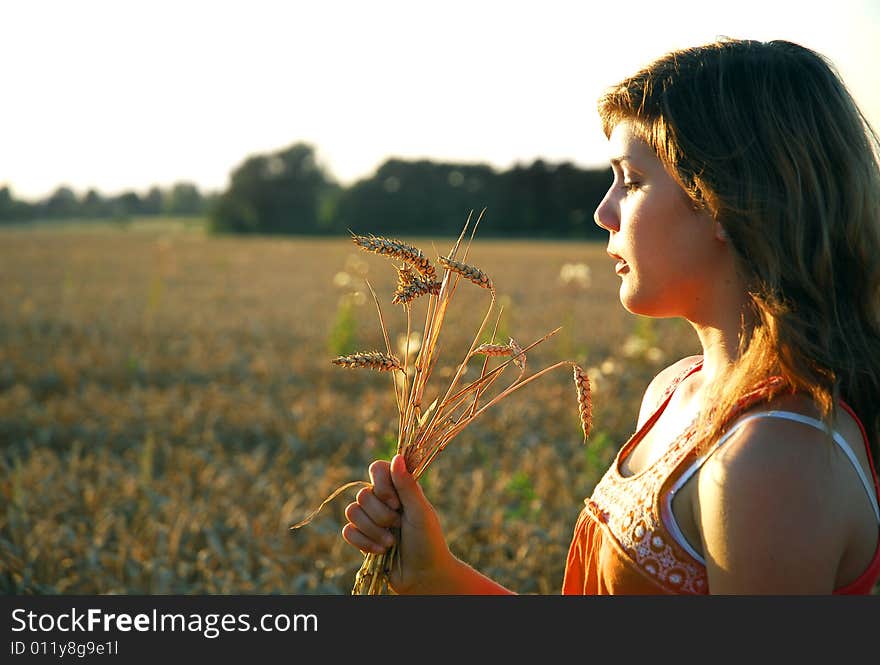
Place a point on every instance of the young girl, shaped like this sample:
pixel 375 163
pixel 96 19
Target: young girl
pixel 746 199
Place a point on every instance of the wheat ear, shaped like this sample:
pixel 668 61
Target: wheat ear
pixel 584 400
pixel 472 273
pixel 381 362
pixel 397 250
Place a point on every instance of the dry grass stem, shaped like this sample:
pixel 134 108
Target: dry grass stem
pixel 336 492
pixel 397 395
pixel 519 356
pixel 425 431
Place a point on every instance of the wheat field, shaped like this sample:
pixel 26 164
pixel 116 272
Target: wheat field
pixel 168 407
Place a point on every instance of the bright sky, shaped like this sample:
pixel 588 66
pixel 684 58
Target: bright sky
pixel 125 95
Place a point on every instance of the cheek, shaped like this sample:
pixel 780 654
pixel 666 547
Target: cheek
pixel 672 253
pixel 669 232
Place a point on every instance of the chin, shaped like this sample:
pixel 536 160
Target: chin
pixel 631 300
pixel 643 305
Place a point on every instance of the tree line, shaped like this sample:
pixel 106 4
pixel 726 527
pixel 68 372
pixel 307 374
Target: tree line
pixel 289 192
pixel 182 198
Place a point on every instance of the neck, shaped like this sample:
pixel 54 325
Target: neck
pixel 720 349
pixel 719 336
pixel 719 322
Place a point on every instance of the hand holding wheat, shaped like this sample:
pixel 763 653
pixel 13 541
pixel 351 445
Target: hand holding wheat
pixel 394 512
pixel 425 430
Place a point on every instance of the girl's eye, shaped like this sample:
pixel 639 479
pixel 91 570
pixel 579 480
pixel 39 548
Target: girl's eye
pixel 631 186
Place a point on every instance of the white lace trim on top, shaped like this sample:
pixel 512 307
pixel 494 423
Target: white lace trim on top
pixel 666 508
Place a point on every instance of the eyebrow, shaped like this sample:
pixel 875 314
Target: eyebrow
pixel 616 161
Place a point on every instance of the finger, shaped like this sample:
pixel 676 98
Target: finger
pixel 353 536
pixel 380 476
pixel 372 531
pixel 376 510
pixel 407 487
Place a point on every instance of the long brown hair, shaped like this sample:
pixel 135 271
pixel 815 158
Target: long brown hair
pixel 767 139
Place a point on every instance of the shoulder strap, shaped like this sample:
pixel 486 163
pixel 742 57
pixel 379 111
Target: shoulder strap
pixel 660 403
pixel 681 376
pixel 797 417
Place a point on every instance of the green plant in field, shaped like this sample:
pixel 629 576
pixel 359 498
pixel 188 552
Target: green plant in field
pixel 569 343
pixel 504 324
pixel 342 338
pixel 148 448
pixel 390 447
pixel 646 330
pixel 157 290
pixel 594 454
pixel 522 495
pixel 134 366
pixel 575 279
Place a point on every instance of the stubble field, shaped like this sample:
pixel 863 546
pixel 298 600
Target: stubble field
pixel 168 407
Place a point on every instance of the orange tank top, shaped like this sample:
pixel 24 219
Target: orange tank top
pixel 623 540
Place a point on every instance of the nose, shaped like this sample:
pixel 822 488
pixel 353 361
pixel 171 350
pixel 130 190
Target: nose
pixel 606 215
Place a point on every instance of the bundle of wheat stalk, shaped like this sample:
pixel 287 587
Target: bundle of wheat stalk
pixel 425 430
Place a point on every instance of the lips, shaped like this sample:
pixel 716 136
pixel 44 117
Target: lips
pixel 621 267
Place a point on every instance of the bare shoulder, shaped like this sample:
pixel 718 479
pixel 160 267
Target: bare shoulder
pixel 769 508
pixel 771 452
pixel 791 452
pixel 659 383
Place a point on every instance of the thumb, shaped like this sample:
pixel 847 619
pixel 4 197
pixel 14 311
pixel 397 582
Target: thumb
pixel 408 488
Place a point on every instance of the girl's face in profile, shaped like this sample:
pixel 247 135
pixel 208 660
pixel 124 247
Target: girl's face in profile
pixel 667 253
